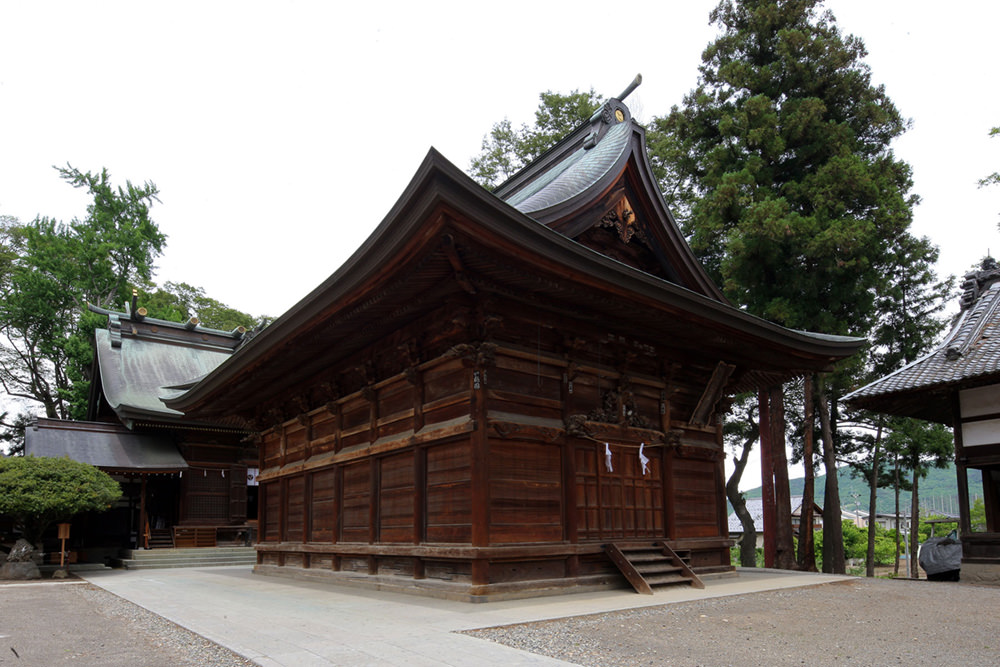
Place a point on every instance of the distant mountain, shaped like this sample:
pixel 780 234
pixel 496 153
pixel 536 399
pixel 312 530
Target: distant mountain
pixel 938 491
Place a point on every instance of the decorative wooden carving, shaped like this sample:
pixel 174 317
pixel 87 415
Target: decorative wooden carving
pixel 480 354
pixel 622 218
pixel 700 453
pixel 576 426
pixel 618 406
pixel 525 431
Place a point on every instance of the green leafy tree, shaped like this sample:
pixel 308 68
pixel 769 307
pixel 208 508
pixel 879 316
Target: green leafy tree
pixel 977 515
pixel 920 445
pixel 993 178
pixel 786 185
pixel 178 302
pixel 52 270
pixel 506 149
pixel 36 492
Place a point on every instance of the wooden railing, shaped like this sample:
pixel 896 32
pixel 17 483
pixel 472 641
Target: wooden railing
pixel 186 537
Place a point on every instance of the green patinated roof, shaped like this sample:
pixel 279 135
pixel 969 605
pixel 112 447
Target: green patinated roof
pixel 141 361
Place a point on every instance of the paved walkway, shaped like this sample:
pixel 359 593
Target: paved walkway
pixel 277 621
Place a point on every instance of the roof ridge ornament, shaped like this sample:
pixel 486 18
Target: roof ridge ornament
pixel 977 282
pixel 632 86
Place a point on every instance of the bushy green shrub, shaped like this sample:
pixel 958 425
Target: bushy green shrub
pixel 37 491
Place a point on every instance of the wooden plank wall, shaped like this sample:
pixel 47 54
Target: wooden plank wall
pixel 394 465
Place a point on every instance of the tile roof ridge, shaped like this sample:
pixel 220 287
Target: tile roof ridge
pixel 968 330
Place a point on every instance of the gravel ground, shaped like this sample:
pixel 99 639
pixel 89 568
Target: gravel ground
pixel 45 623
pixel 856 622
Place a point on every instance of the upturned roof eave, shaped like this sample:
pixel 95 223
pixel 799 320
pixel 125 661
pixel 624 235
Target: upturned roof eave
pixel 436 181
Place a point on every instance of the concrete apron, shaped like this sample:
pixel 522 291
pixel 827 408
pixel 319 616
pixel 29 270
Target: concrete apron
pixel 276 621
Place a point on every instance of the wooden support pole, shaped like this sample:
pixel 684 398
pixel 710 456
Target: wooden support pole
pixel 143 520
pixel 767 478
pixel 784 545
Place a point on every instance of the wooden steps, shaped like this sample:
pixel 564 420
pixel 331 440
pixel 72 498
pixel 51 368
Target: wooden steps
pixel 648 564
pixel 161 538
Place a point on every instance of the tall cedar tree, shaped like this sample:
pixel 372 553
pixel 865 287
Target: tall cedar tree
pixel 50 271
pixel 781 170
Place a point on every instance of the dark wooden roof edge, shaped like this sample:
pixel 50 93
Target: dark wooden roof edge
pixel 236 333
pixel 691 264
pixel 438 181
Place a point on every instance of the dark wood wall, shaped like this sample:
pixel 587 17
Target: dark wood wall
pixel 487 464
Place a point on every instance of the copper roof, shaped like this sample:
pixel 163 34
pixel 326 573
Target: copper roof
pixel 141 361
pixel 107 446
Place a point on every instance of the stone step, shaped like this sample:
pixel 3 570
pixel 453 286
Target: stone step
pixel 137 559
pixel 192 562
pixel 139 554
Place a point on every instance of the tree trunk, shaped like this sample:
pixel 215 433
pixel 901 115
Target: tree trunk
pixel 914 528
pixel 748 543
pixel 785 546
pixel 895 565
pixel 833 531
pixel 872 501
pixel 807 549
pixel 767 477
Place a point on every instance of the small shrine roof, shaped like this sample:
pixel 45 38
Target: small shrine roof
pixel 107 446
pixel 141 360
pixel 969 356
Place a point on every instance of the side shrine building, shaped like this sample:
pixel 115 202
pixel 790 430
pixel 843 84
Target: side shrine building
pixel 500 393
pixel 958 384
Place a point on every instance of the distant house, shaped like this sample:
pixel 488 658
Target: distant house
pixel 958 384
pixel 755 506
pixel 887 521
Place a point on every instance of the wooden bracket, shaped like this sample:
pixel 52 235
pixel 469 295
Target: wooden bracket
pixel 713 392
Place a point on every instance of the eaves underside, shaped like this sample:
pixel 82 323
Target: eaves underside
pixel 403 260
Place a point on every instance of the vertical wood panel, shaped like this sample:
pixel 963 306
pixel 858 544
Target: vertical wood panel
pixel 356 503
pixel 396 498
pixel 449 493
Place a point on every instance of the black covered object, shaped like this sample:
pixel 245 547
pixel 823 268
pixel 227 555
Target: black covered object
pixel 941 558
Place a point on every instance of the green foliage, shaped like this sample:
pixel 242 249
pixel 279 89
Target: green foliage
pixel 993 178
pixel 856 544
pixel 788 189
pixel 507 149
pixel 178 302
pixel 940 484
pixel 977 515
pixel 921 445
pixel 35 492
pixel 52 270
pixel 779 167
pixel 940 529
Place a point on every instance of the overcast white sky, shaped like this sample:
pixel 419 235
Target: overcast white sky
pixel 280 133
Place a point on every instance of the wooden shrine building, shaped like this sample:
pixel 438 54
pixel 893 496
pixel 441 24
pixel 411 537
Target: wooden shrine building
pixel 497 386
pixel 958 384
pixel 184 481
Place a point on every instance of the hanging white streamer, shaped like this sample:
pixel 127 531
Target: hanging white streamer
pixel 643 459
pixel 607 457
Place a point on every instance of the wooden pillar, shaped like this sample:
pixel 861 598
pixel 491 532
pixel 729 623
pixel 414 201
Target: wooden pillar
pixel 480 461
pixel 144 540
pixel 784 549
pixel 767 478
pixel 964 509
